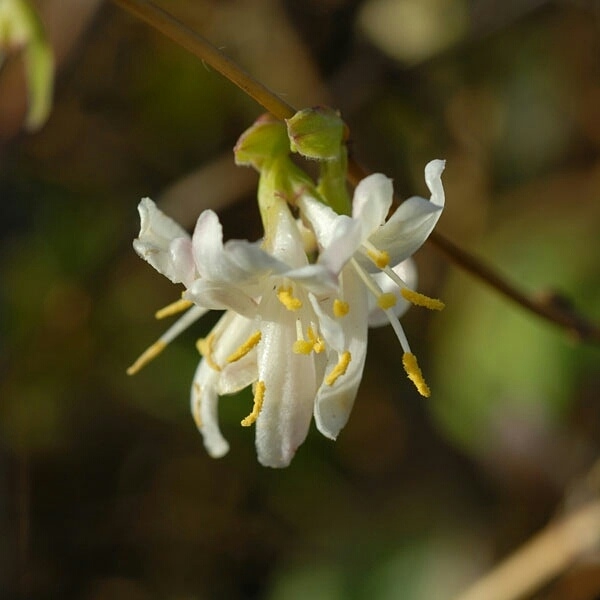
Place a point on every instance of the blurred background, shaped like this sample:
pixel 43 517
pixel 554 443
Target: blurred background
pixel 105 488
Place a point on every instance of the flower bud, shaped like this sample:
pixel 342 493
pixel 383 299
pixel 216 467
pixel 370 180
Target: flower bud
pixel 264 140
pixel 316 133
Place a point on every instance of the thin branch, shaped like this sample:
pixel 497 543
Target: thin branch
pixel 550 307
pixel 193 42
pixel 543 557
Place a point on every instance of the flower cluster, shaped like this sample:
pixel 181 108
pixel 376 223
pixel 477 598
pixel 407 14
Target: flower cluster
pixel 297 303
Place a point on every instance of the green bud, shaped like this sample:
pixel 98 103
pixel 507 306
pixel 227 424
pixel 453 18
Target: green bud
pixel 316 133
pixel 261 143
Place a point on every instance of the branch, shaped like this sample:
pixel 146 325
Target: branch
pixel 543 557
pixel 551 307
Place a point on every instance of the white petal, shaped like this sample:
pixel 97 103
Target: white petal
pixel 372 200
pixel 346 238
pixel 290 387
pixel 433 179
pixel 319 216
pixel 221 297
pixel 182 259
pixel 331 328
pixel 407 271
pixel 334 402
pixel 286 243
pixel 205 405
pixel 252 260
pixel 318 278
pixel 211 260
pixel 163 243
pixel 238 375
pixel 413 220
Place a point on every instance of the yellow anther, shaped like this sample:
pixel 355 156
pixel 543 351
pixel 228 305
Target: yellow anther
pixel 380 257
pixel 318 345
pixel 173 308
pixel 302 346
pixel 259 396
pixel 386 300
pixel 205 347
pixel 245 347
pixel 422 300
pixel 146 357
pixel 285 297
pixel 340 308
pixel 196 405
pixel 414 374
pixel 339 369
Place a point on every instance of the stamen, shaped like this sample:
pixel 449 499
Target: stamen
pixel 196 404
pixel 173 309
pixel 285 297
pixel 412 296
pixel 317 342
pixel 386 300
pixel 339 369
pixel 259 396
pixel 168 336
pixel 367 279
pixel 340 308
pixel 422 300
pixel 250 343
pixel 205 347
pixel 301 346
pixel 395 323
pixel 146 357
pixel 414 374
pixel 380 257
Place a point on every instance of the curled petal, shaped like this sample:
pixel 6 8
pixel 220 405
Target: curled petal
pixel 372 200
pixel 205 406
pixel 163 243
pixel 433 179
pixel 413 221
pixel 407 271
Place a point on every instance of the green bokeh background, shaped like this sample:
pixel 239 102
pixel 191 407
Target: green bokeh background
pixel 105 488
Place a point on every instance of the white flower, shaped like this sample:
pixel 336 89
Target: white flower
pixel 361 249
pixel 273 336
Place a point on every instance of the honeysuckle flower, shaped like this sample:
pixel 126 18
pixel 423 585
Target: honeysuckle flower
pixel 370 254
pixel 274 335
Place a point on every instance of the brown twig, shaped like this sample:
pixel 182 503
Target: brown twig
pixel 549 307
pixel 540 559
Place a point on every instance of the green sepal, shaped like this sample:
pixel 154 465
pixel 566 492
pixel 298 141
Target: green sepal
pixel 316 133
pixel 265 140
